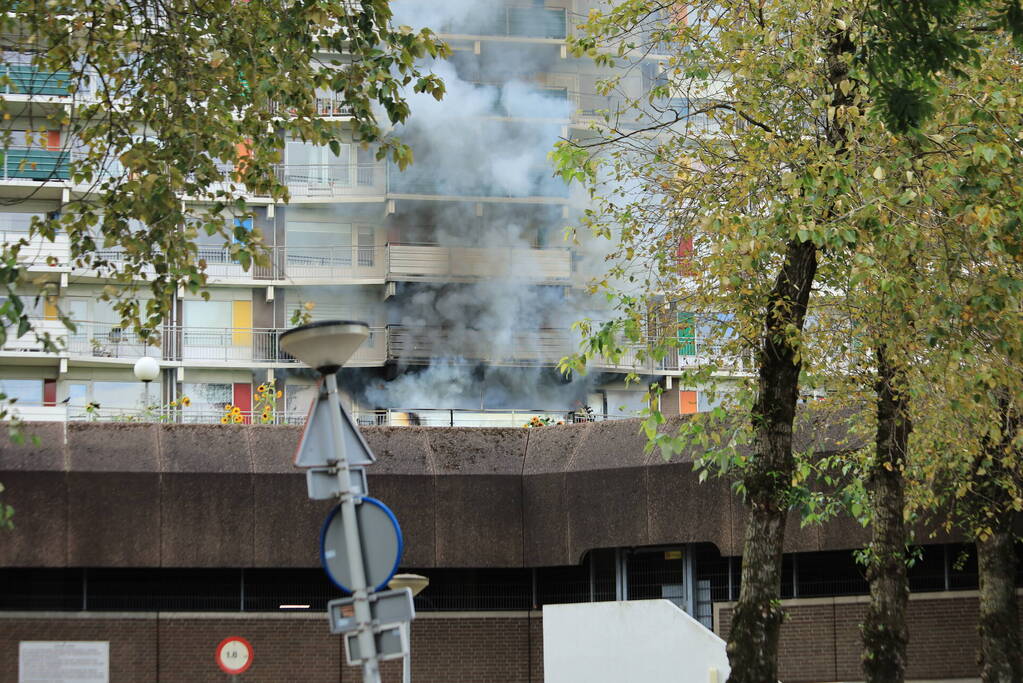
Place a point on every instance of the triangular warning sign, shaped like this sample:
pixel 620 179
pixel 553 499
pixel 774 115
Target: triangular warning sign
pixel 316 449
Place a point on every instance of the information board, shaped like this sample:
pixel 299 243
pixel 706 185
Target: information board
pixel 63 661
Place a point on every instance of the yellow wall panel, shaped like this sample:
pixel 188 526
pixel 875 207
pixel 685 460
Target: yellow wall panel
pixel 241 321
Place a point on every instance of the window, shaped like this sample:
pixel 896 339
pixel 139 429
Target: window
pixel 298 398
pixel 28 392
pixel 206 397
pixel 123 394
pixel 207 323
pixel 317 164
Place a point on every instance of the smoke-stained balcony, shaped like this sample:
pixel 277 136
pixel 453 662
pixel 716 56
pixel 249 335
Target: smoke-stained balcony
pixel 512 22
pixel 424 180
pixel 547 346
pixel 430 262
pixel 421 345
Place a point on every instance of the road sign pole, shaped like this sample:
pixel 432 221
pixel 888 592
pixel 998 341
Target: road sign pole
pixel 360 592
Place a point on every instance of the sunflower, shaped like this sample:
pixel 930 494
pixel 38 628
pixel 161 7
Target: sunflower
pixel 224 420
pixel 261 389
pixel 173 404
pixel 235 410
pixel 238 418
pixel 228 408
pixel 185 401
pixel 265 418
pixel 279 394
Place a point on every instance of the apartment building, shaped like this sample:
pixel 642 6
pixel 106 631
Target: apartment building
pixel 458 263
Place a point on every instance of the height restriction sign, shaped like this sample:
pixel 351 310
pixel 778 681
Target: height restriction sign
pixel 234 655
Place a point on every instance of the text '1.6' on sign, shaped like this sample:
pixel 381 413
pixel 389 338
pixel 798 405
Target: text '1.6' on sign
pixel 234 655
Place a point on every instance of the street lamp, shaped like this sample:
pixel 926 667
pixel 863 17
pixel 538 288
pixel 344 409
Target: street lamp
pixel 326 346
pixel 146 370
pixel 415 583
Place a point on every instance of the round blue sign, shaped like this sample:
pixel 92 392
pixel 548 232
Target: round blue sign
pixel 381 542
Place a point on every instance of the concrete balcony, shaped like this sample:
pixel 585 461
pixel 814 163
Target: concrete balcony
pixel 513 23
pixel 420 345
pixel 40 254
pixel 192 346
pixel 28 345
pixel 428 262
pixel 29 81
pixel 34 163
pixel 334 181
pixel 326 107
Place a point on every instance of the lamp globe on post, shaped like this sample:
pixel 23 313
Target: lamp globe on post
pixel 417 584
pixel 325 345
pixel 146 370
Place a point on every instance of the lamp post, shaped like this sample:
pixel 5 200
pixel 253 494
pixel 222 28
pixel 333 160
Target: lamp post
pixel 326 346
pixel 146 370
pixel 415 583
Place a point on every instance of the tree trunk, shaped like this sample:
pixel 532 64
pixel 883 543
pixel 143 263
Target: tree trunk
pixel 1000 658
pixel 885 635
pixel 753 640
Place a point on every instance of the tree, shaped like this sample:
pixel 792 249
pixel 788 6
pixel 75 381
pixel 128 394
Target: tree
pixel 911 45
pixel 175 100
pixel 137 139
pixel 766 139
pixel 752 142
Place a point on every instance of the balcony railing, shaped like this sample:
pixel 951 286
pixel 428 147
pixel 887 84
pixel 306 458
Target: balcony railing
pixel 34 163
pixel 433 262
pixel 534 347
pixel 333 180
pixel 26 79
pixel 328 107
pixel 202 345
pixel 39 251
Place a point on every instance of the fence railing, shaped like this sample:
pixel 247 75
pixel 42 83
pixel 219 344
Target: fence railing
pixel 438 417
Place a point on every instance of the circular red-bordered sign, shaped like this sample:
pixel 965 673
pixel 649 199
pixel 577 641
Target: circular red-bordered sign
pixel 234 655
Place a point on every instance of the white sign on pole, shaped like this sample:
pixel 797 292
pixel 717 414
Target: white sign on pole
pixel 50 661
pixel 316 449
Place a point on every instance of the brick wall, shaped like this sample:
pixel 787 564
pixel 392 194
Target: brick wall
pixel 179 648
pixel 820 638
pixel 820 642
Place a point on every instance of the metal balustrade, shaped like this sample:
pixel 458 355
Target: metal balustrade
pixel 327 107
pixel 34 163
pixel 26 79
pixel 39 252
pixel 246 346
pixel 333 180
